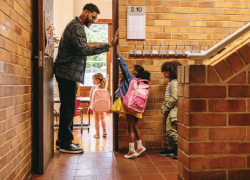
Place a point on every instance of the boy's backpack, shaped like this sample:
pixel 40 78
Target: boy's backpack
pixel 100 101
pixel 136 97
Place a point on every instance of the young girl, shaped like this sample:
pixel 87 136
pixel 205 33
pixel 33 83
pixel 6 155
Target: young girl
pixel 132 118
pixel 99 83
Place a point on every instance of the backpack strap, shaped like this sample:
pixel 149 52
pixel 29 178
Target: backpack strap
pixel 119 85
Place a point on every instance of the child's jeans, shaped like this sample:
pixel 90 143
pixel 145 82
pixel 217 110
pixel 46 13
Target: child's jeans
pixel 100 117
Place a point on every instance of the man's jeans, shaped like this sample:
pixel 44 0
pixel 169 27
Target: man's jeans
pixel 67 93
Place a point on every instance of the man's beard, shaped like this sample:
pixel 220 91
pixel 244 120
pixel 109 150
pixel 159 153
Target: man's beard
pixel 87 21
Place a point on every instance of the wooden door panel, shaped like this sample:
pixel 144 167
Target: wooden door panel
pixel 45 78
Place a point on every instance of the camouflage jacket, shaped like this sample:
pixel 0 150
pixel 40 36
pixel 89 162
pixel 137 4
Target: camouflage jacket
pixel 71 59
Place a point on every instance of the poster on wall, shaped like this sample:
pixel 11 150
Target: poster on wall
pixel 49 46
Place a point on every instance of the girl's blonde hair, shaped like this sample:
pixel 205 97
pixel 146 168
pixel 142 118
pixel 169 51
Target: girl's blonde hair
pixel 103 81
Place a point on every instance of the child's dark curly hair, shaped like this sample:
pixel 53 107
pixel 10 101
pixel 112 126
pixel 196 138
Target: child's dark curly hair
pixel 171 67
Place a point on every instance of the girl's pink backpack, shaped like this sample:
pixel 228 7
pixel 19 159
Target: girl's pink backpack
pixel 100 101
pixel 136 97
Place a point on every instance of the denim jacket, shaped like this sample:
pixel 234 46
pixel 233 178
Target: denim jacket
pixel 127 77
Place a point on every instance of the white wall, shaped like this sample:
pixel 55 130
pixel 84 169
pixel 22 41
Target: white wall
pixel 105 7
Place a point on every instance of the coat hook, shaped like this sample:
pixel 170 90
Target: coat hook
pixel 184 49
pixel 143 49
pixel 151 48
pixel 175 49
pixel 160 49
pixel 200 46
pixel 135 48
pixel 168 49
pixel 208 46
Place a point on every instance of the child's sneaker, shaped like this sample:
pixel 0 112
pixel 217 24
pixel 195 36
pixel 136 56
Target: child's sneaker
pixel 105 133
pixel 140 151
pixel 131 155
pixel 96 136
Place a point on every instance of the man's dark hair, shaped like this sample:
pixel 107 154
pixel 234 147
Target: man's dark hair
pixel 91 7
pixel 171 67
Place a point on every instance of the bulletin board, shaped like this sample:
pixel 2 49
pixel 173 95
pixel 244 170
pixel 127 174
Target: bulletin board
pixel 136 22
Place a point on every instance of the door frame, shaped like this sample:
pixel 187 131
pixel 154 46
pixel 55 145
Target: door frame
pixel 115 70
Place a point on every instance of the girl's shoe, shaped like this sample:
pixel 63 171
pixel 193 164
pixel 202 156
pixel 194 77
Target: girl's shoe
pixel 105 133
pixel 96 136
pixel 140 151
pixel 131 155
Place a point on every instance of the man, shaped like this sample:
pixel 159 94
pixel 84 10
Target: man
pixel 69 68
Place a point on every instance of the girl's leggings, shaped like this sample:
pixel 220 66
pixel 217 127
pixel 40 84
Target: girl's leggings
pixel 100 117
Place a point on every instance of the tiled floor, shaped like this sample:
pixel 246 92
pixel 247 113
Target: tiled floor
pixel 98 162
pixel 109 166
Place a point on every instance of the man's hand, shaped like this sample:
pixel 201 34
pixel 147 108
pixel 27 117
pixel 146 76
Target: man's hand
pixel 118 52
pixel 163 111
pixel 113 42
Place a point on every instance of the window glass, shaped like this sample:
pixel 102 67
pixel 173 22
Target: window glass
pixel 97 33
pixel 95 64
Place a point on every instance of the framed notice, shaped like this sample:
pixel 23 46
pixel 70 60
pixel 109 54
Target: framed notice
pixel 136 22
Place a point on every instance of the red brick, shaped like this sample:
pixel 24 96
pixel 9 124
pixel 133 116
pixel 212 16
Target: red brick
pixel 208 148
pixel 205 91
pixel 180 90
pixel 153 131
pixel 180 142
pixel 180 116
pixel 198 163
pixel 192 105
pixel 227 105
pixel 240 78
pixel 207 175
pixel 248 133
pixel 212 77
pixel 207 120
pixel 183 131
pixel 245 53
pixel 143 126
pixel 227 162
pixel 239 174
pixel 154 144
pixel 248 161
pixel 179 69
pixel 239 120
pixel 195 74
pixel 227 133
pixel 206 4
pixel 198 134
pixel 185 119
pixel 239 91
pixel 223 70
pixel 235 62
pixel 239 148
pixel 183 158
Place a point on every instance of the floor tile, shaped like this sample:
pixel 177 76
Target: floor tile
pixel 86 178
pixel 163 164
pixel 124 171
pixel 86 166
pixel 151 170
pixel 63 178
pixel 159 158
pixel 66 167
pixel 171 176
pixel 164 170
pixel 152 177
pixel 86 172
pixel 107 172
pixel 68 161
pixel 129 164
pixel 64 173
pixel 129 177
pixel 107 178
pixel 144 165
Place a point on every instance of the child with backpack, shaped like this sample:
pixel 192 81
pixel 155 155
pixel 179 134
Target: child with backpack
pixel 99 102
pixel 169 107
pixel 131 100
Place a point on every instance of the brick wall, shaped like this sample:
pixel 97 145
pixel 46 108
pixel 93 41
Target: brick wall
pixel 214 117
pixel 174 22
pixel 16 94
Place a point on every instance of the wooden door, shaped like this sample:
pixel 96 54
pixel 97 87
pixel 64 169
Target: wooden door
pixel 45 90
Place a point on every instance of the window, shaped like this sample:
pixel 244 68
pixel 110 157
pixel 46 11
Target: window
pixel 96 34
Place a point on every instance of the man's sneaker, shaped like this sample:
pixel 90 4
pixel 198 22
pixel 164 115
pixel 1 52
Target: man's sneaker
pixel 58 144
pixel 175 156
pixel 73 149
pixel 97 136
pixel 166 153
pixel 140 151
pixel 105 133
pixel 131 155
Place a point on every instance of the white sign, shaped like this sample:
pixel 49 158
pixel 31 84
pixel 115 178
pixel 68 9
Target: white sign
pixel 136 22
